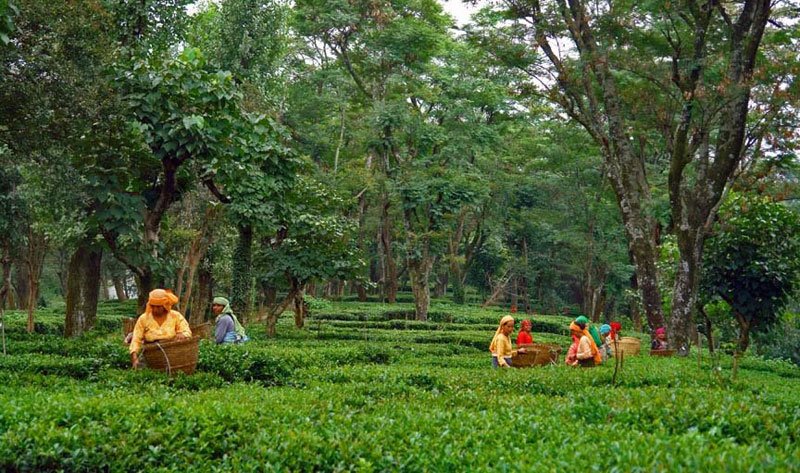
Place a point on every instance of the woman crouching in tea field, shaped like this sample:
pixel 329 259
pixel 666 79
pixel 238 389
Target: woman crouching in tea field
pixel 228 328
pixel 158 323
pixel 501 344
pixel 583 351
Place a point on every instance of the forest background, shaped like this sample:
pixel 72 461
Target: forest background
pixel 629 160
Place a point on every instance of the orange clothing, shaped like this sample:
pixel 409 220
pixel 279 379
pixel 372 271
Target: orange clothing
pixel 148 330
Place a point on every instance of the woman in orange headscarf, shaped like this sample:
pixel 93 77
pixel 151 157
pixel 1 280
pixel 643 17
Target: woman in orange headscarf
pixel 501 343
pixel 159 322
pixel 583 351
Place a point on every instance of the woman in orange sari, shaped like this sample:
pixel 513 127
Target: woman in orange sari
pixel 583 351
pixel 158 323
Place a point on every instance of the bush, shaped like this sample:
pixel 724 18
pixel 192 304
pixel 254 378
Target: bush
pixel 782 342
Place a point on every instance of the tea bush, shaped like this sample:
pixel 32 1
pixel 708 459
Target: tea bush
pixel 381 393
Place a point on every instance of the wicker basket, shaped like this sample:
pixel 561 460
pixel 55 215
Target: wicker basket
pixel 173 356
pixel 202 330
pixel 537 354
pixel 662 352
pixel 628 345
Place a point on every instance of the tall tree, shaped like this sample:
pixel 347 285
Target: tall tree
pixel 696 61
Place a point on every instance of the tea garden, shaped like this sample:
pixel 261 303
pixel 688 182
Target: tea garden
pixel 364 387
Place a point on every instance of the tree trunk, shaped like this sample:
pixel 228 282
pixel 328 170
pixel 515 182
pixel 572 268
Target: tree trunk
pixel 241 290
pixel 684 294
pixel 145 282
pixel 5 287
pixel 744 333
pixel 419 270
pixel 119 287
pixel 103 286
pixel 640 232
pixel 205 291
pixel 389 264
pixel 37 247
pixel 709 327
pixel 22 284
pixel 83 284
pixel 299 304
pixel 63 263
pixel 361 290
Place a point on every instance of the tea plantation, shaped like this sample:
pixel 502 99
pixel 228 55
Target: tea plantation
pixel 363 388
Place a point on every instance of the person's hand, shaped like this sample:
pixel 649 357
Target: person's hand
pixel 180 337
pixel 523 350
pixel 134 361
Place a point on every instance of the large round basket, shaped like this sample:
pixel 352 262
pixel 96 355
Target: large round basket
pixel 172 357
pixel 628 345
pixel 662 352
pixel 537 354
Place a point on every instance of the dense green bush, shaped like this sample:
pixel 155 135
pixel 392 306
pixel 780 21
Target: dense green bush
pixel 386 395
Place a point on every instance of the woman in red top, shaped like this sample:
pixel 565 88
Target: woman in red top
pixel 524 337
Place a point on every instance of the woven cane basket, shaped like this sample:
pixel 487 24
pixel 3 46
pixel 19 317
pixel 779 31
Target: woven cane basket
pixel 537 354
pixel 172 357
pixel 202 330
pixel 628 345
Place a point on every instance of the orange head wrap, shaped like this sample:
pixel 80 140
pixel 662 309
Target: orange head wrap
pixel 161 298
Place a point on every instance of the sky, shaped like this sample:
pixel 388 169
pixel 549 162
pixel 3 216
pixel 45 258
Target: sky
pixel 459 10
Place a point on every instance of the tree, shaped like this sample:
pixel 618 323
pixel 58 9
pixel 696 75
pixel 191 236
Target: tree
pixel 315 242
pixel 752 262
pixel 188 114
pixel 696 118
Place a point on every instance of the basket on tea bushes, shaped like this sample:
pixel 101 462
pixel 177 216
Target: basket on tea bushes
pixel 628 345
pixel 202 330
pixel 172 356
pixel 537 354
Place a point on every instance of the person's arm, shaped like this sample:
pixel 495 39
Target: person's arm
pixel 224 325
pixel 136 342
pixel 182 329
pixel 584 349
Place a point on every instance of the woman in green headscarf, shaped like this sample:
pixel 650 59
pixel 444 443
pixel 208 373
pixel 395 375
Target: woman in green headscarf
pixel 228 329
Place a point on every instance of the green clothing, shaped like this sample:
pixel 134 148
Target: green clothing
pixel 595 335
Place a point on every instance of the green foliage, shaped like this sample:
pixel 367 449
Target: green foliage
pixel 752 259
pixel 384 400
pixel 8 10
pixel 782 341
pixel 318 242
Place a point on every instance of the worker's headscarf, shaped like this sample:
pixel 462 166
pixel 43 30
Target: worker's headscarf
pixel 605 329
pixel 506 319
pixel 661 331
pixel 616 328
pixel 161 298
pixel 591 330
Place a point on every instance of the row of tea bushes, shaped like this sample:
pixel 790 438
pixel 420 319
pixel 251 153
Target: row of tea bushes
pixel 410 418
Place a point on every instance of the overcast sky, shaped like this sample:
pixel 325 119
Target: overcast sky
pixel 459 10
